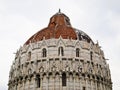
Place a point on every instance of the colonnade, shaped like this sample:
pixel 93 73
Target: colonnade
pixel 53 81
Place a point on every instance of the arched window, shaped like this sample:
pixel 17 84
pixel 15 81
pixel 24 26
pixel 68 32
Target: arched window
pixel 60 51
pixel 63 79
pixel 38 81
pixel 91 55
pixel 77 52
pixel 44 52
pixel 29 56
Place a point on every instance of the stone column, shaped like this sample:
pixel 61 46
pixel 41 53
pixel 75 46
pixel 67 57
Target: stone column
pixel 47 81
pixel 103 85
pixel 86 82
pixel 80 84
pixel 106 86
pixel 19 84
pixel 53 81
pixel 91 83
pixel 28 82
pixel 23 81
pixel 67 80
pixel 15 85
pixel 60 76
pixel 34 82
pixel 96 83
pixel 60 81
pixel 41 78
pixel 74 81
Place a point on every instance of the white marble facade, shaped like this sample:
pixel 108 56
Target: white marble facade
pixel 60 57
pixel 60 64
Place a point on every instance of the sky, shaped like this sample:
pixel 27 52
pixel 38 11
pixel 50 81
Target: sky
pixel 20 19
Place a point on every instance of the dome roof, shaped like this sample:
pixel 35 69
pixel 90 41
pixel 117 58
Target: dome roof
pixel 59 25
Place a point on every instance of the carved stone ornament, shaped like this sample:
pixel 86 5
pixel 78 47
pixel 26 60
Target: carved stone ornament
pixel 41 69
pixel 80 69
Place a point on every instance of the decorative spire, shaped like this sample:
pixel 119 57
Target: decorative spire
pixel 59 10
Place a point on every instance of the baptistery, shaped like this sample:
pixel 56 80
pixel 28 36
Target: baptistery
pixel 60 57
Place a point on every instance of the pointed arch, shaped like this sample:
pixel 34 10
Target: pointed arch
pixel 60 51
pixel 78 44
pixel 60 42
pixel 44 52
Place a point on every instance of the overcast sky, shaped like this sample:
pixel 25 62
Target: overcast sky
pixel 20 19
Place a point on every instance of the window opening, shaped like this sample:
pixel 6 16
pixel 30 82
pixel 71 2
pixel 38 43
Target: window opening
pixel 63 79
pixel 44 52
pixel 38 81
pixel 77 52
pixel 29 56
pixel 61 51
pixel 91 55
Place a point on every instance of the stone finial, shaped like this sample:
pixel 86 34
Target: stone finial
pixel 59 10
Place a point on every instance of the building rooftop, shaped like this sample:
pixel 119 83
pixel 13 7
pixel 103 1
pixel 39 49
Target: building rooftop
pixel 59 26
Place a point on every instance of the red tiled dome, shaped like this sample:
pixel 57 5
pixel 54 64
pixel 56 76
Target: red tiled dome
pixel 59 25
